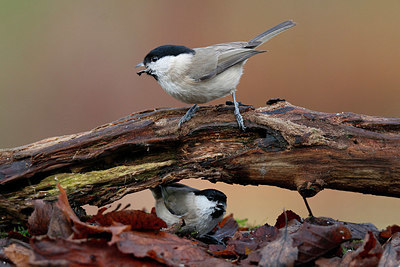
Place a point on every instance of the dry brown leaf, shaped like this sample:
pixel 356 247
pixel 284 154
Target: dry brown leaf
pixel 391 254
pixel 280 252
pixel 245 243
pixel 136 219
pixel 389 231
pixel 48 219
pixel 366 255
pixel 92 252
pixel 59 225
pixel 285 217
pixel 314 241
pixel 357 230
pixel 38 222
pixel 227 228
pixel 328 262
pixel 223 251
pixel 81 229
pixel 18 254
pixel 297 243
pixel 165 248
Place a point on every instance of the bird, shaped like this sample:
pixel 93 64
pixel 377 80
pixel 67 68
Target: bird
pixel 200 210
pixel 200 75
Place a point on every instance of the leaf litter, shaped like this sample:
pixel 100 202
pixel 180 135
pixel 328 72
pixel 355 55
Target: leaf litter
pixel 134 237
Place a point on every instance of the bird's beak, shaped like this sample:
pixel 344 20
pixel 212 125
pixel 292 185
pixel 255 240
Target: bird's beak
pixel 142 71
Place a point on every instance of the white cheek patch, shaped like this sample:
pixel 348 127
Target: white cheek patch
pixel 204 204
pixel 161 66
pixel 170 66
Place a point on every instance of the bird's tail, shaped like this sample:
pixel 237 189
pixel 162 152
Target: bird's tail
pixel 268 34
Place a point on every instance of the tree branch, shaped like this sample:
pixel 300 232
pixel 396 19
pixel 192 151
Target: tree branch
pixel 284 145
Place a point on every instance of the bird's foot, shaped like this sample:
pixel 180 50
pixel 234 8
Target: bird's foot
pixel 188 115
pixel 239 120
pixel 239 117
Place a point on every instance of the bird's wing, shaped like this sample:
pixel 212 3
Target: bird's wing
pixel 204 63
pixel 213 60
pixel 233 56
pixel 175 198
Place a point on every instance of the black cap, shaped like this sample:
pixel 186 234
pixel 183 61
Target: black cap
pixel 166 50
pixel 213 195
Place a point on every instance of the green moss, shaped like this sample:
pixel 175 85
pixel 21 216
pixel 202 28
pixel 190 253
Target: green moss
pixel 23 230
pixel 242 222
pixel 3 234
pixel 71 181
pixel 348 248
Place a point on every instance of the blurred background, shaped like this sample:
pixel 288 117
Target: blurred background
pixel 68 66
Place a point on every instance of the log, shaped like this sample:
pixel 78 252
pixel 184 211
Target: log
pixel 284 145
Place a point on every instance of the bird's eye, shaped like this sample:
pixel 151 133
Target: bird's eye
pixel 154 59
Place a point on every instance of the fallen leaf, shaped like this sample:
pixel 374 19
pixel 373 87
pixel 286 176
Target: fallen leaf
pixel 252 259
pixel 249 242
pixel 59 225
pixel 279 252
pixel 264 234
pixel 223 251
pixel 64 206
pixel 242 244
pixel 314 241
pixel 349 245
pixel 227 228
pixel 18 254
pixel 153 210
pixel 225 220
pixel 81 229
pixel 92 252
pixel 389 231
pixel 242 247
pixel 366 255
pixel 38 222
pixel 165 248
pixel 285 217
pixel 391 254
pixel 328 262
pixel 357 230
pixel 136 219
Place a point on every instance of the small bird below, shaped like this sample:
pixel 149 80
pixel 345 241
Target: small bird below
pixel 200 210
pixel 199 75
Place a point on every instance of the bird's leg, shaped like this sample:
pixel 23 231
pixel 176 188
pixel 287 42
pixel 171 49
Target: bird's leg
pixel 239 117
pixel 188 115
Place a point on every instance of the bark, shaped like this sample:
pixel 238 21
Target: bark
pixel 284 145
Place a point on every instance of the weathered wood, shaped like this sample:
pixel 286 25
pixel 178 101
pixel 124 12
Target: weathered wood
pixel 284 145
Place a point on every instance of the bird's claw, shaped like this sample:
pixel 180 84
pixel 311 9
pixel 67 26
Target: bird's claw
pixel 188 115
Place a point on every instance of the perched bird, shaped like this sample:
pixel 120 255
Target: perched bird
pixel 199 75
pixel 200 210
